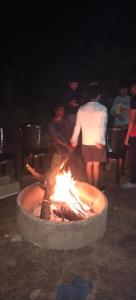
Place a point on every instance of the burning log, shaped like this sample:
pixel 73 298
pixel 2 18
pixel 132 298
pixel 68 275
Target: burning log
pixel 66 194
pixel 45 210
pixel 60 189
pixel 35 174
pixel 65 212
pixel 47 180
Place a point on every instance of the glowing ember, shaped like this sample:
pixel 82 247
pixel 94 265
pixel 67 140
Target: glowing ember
pixel 65 191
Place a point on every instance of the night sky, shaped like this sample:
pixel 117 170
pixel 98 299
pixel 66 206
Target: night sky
pixel 46 38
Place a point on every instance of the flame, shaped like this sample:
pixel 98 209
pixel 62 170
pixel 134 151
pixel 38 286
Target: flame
pixel 65 191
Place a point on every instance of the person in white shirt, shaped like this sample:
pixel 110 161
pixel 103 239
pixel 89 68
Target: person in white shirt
pixel 92 122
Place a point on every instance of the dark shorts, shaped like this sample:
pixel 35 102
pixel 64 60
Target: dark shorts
pixel 92 153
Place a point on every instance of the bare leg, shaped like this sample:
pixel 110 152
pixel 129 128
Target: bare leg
pixel 89 172
pixel 96 173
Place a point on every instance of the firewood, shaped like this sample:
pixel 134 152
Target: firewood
pixel 67 213
pixel 49 176
pixel 45 210
pixel 35 174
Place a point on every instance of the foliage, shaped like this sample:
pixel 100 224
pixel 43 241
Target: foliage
pixel 12 80
pixel 108 65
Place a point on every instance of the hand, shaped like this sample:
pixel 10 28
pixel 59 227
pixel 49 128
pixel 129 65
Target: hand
pixel 99 146
pixel 126 141
pixel 73 144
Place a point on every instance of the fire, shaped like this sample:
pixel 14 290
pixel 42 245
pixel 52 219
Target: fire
pixel 65 191
pixel 66 202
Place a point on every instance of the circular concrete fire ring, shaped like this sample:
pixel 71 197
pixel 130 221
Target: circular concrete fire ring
pixel 61 236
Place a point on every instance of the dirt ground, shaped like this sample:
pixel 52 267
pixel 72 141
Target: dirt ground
pixel 27 272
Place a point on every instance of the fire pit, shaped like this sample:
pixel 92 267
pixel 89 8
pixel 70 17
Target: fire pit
pixel 62 235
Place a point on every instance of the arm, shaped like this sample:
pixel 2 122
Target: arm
pixel 102 129
pixel 66 145
pixel 56 139
pixel 132 121
pixel 113 108
pixel 76 132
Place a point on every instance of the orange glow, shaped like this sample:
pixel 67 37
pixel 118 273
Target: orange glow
pixel 65 191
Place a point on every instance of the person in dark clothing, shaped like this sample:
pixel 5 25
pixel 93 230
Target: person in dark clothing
pixel 72 92
pixel 72 99
pixel 58 132
pixel 130 139
pixel 71 113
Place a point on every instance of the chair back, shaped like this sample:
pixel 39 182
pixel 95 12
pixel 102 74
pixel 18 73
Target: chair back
pixel 30 136
pixel 115 140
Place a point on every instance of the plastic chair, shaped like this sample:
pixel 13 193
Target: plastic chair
pixel 116 149
pixel 6 157
pixel 31 143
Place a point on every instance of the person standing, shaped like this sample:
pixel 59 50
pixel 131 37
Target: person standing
pixel 92 122
pixel 130 139
pixel 121 107
pixel 72 93
pixel 71 112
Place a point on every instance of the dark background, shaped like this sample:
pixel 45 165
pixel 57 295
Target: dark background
pixel 43 45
